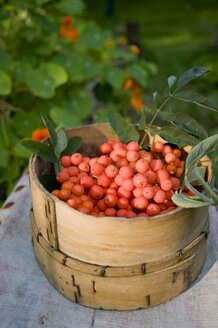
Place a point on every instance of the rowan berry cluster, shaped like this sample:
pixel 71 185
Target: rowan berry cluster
pixel 124 181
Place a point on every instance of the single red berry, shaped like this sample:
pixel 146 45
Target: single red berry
pixel 73 171
pixel 139 180
pixel 126 172
pixel 111 171
pixel 137 192
pixel 76 158
pixel 148 192
pixel 105 148
pixel 156 164
pixel 177 152
pixel 103 180
pixel 78 190
pixel 104 160
pixel 93 161
pixel 62 177
pixel 159 196
pixel 140 203
pixel 157 147
pixel 124 193
pixel 96 192
pixel 170 158
pixel 132 155
pixel 110 212
pixel 151 176
pixel 142 215
pixel 84 167
pixel 167 149
pixel 152 210
pixel 64 194
pixel 130 215
pixel 97 169
pixel 67 185
pixel 101 204
pixel 65 161
pixel 123 202
pixel 55 193
pixel 166 184
pixel 175 183
pixel 142 165
pixel 161 175
pixel 121 213
pixel 133 146
pixel 110 200
pixel 128 184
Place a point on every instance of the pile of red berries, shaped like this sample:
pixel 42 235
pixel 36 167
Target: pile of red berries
pixel 124 181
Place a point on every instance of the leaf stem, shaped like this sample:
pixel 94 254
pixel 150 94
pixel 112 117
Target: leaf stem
pixel 155 115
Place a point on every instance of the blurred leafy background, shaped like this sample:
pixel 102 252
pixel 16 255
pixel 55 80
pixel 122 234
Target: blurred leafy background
pixel 72 59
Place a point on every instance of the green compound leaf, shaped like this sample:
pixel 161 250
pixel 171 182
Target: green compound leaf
pixel 56 72
pixel 203 148
pixel 74 144
pixel 185 122
pixel 113 75
pixel 5 84
pixel 197 99
pixel 176 136
pixel 188 201
pixel 171 81
pixel 125 132
pixel 191 74
pixel 71 7
pixel 40 149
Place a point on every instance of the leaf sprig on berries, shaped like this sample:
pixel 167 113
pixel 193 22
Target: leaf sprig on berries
pixel 58 145
pixel 183 130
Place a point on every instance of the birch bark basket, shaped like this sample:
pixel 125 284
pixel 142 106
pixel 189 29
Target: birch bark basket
pixel 114 263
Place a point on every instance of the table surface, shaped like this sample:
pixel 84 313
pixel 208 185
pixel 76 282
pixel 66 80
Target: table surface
pixel 27 299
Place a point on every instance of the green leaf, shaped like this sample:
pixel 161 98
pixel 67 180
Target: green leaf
pixel 94 37
pixel 4 156
pixel 139 73
pixel 171 81
pixel 176 136
pixel 61 142
pixel 74 144
pixel 125 132
pixel 196 99
pixel 73 64
pixel 191 74
pixel 113 75
pixel 196 192
pixel 20 151
pixel 40 83
pixel 20 72
pixel 56 72
pixel 155 94
pixel 40 149
pixel 71 7
pixel 142 122
pixel 5 84
pixel 6 61
pixel 189 202
pixel 185 122
pixel 58 140
pixel 192 177
pixel 52 133
pixel 203 148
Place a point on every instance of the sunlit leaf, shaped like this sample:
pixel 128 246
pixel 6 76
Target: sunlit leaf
pixel 125 132
pixel 185 122
pixel 188 201
pixel 73 145
pixel 40 149
pixel 171 81
pixel 201 149
pixel 191 74
pixel 196 99
pixel 176 136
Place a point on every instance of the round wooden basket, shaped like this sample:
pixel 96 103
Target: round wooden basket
pixel 114 263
